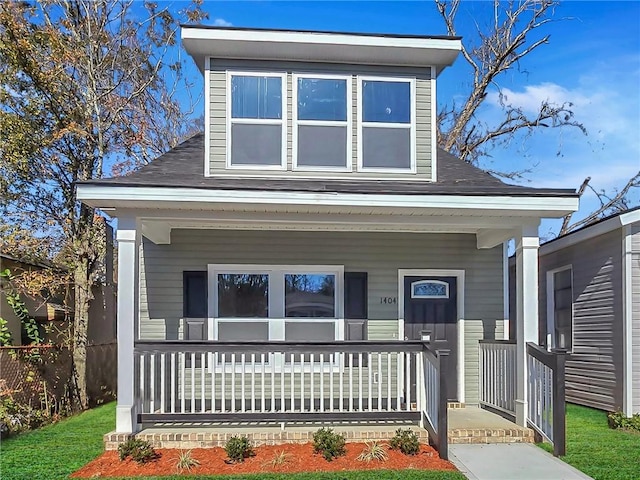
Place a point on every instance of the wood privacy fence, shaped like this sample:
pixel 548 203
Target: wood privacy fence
pixel 46 381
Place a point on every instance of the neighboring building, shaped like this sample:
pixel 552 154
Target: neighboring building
pixel 315 208
pixel 54 315
pixel 590 305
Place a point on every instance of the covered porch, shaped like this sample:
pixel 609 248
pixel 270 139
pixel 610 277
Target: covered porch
pixel 177 368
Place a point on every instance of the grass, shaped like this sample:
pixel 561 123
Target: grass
pixel 597 450
pixel 55 451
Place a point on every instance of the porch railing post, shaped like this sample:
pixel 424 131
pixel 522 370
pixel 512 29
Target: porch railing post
pixel 443 424
pixel 559 406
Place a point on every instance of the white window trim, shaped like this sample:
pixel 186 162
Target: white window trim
pixel 329 123
pixel 264 121
pixel 551 339
pixel 411 125
pixel 276 318
pixel 446 285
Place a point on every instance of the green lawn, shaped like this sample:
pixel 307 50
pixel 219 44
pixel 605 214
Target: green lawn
pixel 55 451
pixel 597 450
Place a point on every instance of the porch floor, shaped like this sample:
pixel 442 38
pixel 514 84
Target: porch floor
pixel 476 425
pixel 466 425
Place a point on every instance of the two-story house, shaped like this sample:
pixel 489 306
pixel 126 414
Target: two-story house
pixel 293 260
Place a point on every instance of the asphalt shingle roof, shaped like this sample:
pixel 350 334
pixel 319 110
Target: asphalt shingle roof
pixel 183 167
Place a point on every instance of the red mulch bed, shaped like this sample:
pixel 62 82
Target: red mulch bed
pixel 300 459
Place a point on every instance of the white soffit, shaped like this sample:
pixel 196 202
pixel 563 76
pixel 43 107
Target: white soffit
pixel 201 43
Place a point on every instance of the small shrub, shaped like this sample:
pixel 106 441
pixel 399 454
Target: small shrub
pixel 406 441
pixel 329 443
pixel 140 451
pixel 238 448
pixel 621 421
pixel 185 461
pixel 373 451
pixel 278 459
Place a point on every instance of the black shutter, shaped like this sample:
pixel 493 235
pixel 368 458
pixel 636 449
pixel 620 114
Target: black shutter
pixel 194 295
pixel 355 305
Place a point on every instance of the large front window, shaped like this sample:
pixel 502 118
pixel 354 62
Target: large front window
pixel 256 130
pixel 386 125
pixel 322 133
pixel 294 303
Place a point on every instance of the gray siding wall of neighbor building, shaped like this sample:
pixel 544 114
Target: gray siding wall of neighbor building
pixel 635 306
pixel 218 112
pixel 379 254
pixel 594 369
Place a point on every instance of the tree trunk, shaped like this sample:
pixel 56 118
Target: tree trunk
pixel 83 297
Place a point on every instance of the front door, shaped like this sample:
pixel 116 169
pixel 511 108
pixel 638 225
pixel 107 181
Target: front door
pixel 431 314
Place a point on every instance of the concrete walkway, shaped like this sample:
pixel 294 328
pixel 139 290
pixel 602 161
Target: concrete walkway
pixel 511 461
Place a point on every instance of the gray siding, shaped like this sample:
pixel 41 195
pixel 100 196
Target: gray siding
pixel 217 92
pixel 635 305
pixel 379 254
pixel 594 370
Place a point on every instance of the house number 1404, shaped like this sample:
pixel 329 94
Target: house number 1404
pixel 388 300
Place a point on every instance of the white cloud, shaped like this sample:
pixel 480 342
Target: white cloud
pixel 221 22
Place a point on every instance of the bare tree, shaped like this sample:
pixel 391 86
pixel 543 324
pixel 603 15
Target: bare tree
pixel 610 204
pixel 87 87
pixel 513 34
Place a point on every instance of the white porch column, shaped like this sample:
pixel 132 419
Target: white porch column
pixel 128 237
pixel 527 244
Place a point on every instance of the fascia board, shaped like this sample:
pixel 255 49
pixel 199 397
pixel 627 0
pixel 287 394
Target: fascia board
pixel 105 196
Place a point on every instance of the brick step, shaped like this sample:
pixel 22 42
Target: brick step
pixel 491 435
pixel 209 438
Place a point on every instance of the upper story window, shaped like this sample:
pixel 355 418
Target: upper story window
pixel 256 122
pixel 386 124
pixel 322 122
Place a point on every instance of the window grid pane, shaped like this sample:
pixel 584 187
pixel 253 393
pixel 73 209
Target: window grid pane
pixel 256 97
pixel 322 99
pixel 386 102
pixel 310 295
pixel 243 295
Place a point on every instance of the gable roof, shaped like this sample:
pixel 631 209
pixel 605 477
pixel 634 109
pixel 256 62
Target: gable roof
pixel 182 167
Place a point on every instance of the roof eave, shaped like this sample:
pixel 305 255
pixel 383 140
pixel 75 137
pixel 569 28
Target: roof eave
pixel 277 45
pixel 110 196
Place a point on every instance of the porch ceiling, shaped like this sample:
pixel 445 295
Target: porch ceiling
pixel 491 230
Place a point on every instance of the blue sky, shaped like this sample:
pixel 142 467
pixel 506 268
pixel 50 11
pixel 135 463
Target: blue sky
pixel 592 60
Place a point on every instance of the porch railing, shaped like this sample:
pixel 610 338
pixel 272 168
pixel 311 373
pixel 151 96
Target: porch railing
pixel 545 390
pixel 498 375
pixel 190 381
pixel 546 394
pixel 435 399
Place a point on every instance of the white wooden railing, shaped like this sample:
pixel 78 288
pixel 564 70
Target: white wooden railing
pixel 276 381
pixel 498 375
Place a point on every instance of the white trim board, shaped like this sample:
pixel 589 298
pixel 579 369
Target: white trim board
pixel 101 196
pixel 627 320
pixel 460 276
